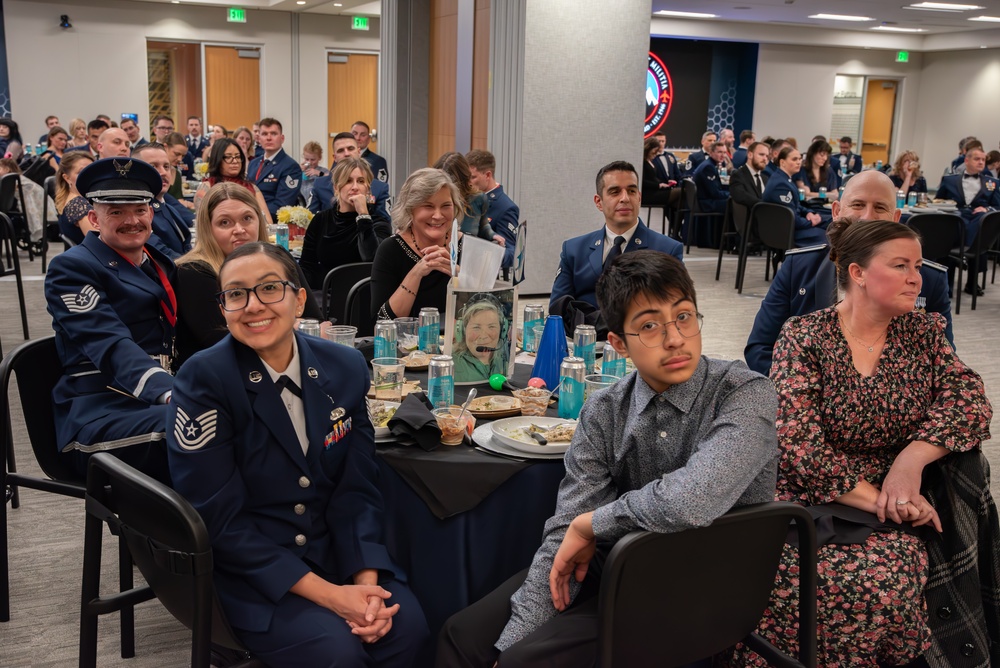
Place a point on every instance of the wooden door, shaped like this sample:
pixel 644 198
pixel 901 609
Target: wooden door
pixel 880 109
pixel 232 85
pixel 352 95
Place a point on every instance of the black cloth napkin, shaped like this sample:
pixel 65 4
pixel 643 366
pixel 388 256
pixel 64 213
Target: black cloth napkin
pixel 413 418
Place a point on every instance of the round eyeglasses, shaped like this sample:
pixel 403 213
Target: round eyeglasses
pixel 652 334
pixel 236 299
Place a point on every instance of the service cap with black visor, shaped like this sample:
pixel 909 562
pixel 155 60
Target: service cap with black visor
pixel 114 311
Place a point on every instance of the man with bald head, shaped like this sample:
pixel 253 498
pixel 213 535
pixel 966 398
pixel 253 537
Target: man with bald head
pixel 113 143
pixel 806 280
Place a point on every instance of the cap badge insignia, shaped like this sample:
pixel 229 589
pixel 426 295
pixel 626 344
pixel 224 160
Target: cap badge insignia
pixel 122 169
pixel 255 377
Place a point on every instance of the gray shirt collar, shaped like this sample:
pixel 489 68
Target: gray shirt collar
pixel 681 396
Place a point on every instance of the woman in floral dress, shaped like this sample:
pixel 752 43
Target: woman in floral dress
pixel 870 392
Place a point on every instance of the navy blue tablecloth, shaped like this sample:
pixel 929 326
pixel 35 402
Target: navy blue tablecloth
pixel 452 562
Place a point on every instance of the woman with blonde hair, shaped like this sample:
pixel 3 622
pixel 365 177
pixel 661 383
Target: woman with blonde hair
pixel 77 132
pixel 412 268
pixel 228 218
pixel 70 205
pixel 906 174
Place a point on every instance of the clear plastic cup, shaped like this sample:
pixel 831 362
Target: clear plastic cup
pixel 534 400
pixel 452 430
pixel 388 378
pixel 595 382
pixel 342 334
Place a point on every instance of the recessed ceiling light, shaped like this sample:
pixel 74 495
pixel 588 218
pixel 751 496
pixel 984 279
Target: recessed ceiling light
pixel 338 4
pixel 300 2
pixel 685 15
pixel 982 46
pixel 841 17
pixel 988 19
pixel 897 29
pixel 942 7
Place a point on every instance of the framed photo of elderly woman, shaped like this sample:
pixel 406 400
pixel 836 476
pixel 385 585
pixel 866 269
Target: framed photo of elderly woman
pixel 479 333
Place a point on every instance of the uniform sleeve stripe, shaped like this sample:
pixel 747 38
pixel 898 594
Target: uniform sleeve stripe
pixel 145 377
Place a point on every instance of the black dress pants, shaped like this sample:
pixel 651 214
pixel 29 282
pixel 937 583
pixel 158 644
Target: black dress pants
pixel 567 640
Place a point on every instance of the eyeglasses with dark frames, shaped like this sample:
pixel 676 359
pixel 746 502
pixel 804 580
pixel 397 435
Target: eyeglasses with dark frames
pixel 271 292
pixel 652 334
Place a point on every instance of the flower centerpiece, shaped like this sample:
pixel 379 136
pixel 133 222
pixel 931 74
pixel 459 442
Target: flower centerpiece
pixel 297 218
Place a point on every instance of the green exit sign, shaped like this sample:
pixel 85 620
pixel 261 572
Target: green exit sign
pixel 237 15
pixel 902 56
pixel 359 23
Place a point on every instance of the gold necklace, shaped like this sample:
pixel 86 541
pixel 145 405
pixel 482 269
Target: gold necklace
pixel 419 249
pixel 871 348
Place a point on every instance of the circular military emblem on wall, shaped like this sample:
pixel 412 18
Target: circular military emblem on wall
pixel 659 95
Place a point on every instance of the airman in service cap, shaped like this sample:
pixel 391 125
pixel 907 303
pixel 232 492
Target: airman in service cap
pixel 119 181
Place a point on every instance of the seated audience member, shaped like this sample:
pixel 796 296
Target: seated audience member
pixel 70 205
pixel 275 173
pixel 809 227
pixel 793 142
pixel 479 352
pixel 218 132
pixel 655 191
pixel 699 156
pixel 28 210
pixel 162 126
pixel 474 223
pixel 312 154
pixel 228 163
pixel 348 231
pixel 712 192
pixel 728 140
pixel 976 194
pixel 244 137
pixel 667 167
pixel 363 135
pixel 960 160
pixel 412 268
pixel 806 281
pixel 672 446
pixel 502 214
pixel 77 133
pixel 288 487
pixel 817 173
pixel 345 145
pixel 50 122
pixel 970 144
pixel 113 143
pixel 131 129
pixel 94 130
pixel 229 217
pixel 772 165
pixel 583 258
pixel 740 154
pixel 992 164
pixel 11 144
pixel 177 152
pixel 195 140
pixel 55 145
pixel 906 174
pixel 113 310
pixel 171 221
pixel 870 396
pixel 747 183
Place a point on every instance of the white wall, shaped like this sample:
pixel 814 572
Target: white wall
pixel 99 65
pixel 795 85
pixel 959 96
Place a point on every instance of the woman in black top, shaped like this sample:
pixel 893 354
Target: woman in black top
pixel 655 191
pixel 228 218
pixel 348 231
pixel 906 174
pixel 412 268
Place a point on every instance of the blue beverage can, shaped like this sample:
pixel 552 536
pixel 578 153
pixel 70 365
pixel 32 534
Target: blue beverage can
pixel 441 381
pixel 571 387
pixel 428 329
pixel 878 165
pixel 911 199
pixel 281 235
pixel 585 345
pixel 534 315
pixel 385 339
pixel 612 363
pixel 900 199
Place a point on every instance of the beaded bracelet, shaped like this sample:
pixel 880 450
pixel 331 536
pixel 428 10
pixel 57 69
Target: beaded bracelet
pixel 408 290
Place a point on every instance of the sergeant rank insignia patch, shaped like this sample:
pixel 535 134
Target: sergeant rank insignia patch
pixel 83 301
pixel 195 433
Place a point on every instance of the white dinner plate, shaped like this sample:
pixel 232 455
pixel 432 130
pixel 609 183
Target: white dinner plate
pixel 483 437
pixel 509 431
pixel 382 433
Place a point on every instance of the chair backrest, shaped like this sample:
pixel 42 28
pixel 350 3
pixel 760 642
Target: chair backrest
pixel 775 225
pixel 37 368
pixel 740 215
pixel 672 599
pixel 940 233
pixel 989 232
pixel 358 310
pixel 689 195
pixel 338 284
pixel 50 186
pixel 166 537
pixel 8 186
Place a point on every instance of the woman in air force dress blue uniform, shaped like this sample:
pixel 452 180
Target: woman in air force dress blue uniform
pixel 283 473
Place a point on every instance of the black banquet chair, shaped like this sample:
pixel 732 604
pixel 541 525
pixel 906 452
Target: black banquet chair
pixel 773 225
pixel 989 233
pixel 357 312
pixel 338 283
pixel 689 193
pixel 8 247
pixel 941 234
pixel 170 545
pixel 711 588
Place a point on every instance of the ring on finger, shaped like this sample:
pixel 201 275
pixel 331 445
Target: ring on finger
pixel 901 503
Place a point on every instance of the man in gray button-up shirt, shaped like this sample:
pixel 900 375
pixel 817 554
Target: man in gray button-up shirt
pixel 670 447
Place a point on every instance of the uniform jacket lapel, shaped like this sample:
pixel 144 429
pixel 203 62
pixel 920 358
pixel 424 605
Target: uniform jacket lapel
pixel 596 246
pixel 316 397
pixel 126 271
pixel 267 404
